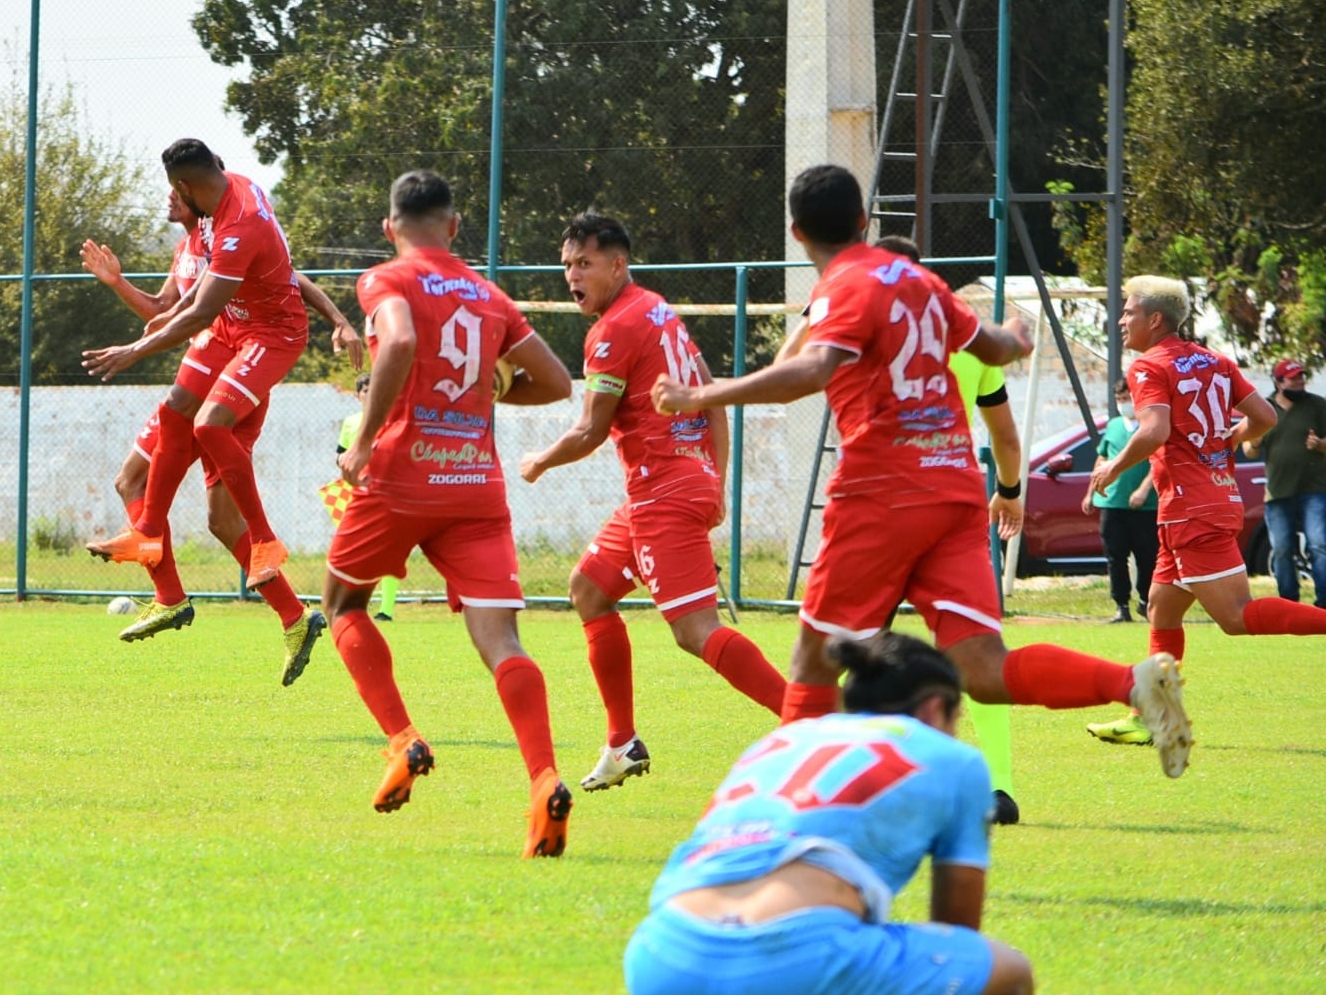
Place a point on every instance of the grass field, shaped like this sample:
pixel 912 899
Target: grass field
pixel 174 821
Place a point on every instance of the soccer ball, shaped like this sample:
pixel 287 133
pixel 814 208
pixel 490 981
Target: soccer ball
pixel 504 374
pixel 120 606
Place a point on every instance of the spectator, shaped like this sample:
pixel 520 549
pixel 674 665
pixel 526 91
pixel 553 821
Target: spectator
pixel 1127 513
pixel 1295 455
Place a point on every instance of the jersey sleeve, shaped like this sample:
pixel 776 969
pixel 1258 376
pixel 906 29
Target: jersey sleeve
pixel 841 318
pixel 608 360
pixel 374 287
pixel 1148 384
pixel 966 838
pixel 963 322
pixel 517 325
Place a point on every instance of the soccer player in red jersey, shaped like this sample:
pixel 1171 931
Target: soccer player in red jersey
pixel 675 474
pixel 426 474
pixel 251 280
pixel 1187 400
pixel 906 516
pixel 171 607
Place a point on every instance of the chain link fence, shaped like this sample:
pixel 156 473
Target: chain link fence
pixel 699 182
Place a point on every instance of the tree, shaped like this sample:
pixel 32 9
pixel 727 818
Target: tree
pixel 1226 163
pixel 666 115
pixel 85 189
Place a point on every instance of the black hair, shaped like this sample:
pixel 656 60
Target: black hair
pixel 361 382
pixel 1121 386
pixel 890 673
pixel 189 153
pixel 900 245
pixel 826 205
pixel 608 232
pixel 418 193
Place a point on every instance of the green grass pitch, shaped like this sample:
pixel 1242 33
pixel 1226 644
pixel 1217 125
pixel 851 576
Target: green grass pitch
pixel 174 821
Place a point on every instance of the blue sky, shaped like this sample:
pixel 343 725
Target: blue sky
pixel 139 74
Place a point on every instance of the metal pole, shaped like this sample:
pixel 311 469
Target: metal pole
pixel 25 327
pixel 924 111
pixel 736 457
pixel 495 141
pixel 1114 206
pixel 999 204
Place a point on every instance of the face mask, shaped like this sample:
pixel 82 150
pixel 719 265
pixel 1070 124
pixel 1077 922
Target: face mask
pixel 1293 395
pixel 1126 410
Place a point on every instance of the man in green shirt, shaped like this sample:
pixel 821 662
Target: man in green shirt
pixel 1127 512
pixel 1295 455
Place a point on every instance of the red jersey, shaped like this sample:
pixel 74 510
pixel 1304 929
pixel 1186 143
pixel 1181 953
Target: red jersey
pixel 638 337
pixel 190 261
pixel 1194 469
pixel 245 243
pixel 901 420
pixel 436 448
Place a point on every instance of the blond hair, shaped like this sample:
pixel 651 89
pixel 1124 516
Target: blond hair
pixel 1160 293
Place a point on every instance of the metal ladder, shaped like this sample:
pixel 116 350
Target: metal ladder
pixel 892 151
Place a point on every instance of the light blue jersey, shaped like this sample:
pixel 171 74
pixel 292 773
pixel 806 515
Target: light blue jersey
pixel 866 797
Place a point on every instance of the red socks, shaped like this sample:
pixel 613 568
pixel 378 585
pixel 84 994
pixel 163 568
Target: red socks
pixel 610 660
pixel 170 462
pixel 524 696
pixel 165 575
pixel 1043 674
pixel 808 701
pixel 1171 641
pixel 368 659
pixel 236 469
pixel 1278 617
pixel 739 662
pixel 278 594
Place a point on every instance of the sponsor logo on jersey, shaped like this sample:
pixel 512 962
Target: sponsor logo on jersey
pixel 893 272
pixel 230 243
pixel 436 285
pixel 601 350
pixel 660 314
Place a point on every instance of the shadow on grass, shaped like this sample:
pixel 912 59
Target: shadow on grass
pixel 1169 907
pixel 1188 829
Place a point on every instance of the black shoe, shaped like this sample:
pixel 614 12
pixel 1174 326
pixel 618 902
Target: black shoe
pixel 1141 610
pixel 381 617
pixel 1121 615
pixel 1005 809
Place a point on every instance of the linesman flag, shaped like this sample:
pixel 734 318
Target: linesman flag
pixel 336 496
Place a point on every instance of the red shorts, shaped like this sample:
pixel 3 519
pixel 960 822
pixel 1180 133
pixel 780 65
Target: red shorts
pixel 664 545
pixel 259 362
pixel 873 557
pixel 476 556
pixel 206 357
pixel 1195 551
pixel 246 433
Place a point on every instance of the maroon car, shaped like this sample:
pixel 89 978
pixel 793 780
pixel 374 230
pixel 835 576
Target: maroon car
pixel 1058 539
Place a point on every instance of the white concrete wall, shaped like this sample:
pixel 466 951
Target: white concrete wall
pixel 80 436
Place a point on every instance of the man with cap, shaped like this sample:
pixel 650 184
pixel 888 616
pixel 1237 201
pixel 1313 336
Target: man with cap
pixel 1295 455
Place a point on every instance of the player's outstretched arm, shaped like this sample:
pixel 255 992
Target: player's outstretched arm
pixel 999 345
pixel 209 296
pixel 102 263
pixel 541 378
pixel 344 335
pixel 581 439
pixel 804 374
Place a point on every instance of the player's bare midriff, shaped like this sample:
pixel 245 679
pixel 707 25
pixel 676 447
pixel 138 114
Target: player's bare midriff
pixel 796 885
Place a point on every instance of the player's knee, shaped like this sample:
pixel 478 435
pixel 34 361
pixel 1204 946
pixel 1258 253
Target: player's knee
pixel 587 598
pixel 1011 973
